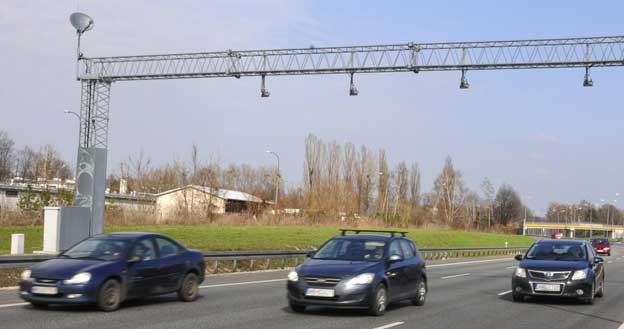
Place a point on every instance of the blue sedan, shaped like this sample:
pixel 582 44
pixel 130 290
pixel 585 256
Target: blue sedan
pixel 107 269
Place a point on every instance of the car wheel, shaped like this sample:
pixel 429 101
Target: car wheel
pixel 380 302
pixel 517 297
pixel 109 296
pixel 609 253
pixel 38 305
pixel 189 290
pixel 600 291
pixel 296 307
pixel 421 293
pixel 590 300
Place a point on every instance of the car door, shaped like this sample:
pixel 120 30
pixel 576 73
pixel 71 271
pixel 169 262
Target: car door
pixel 412 266
pixel 395 272
pixel 597 267
pixel 143 274
pixel 172 265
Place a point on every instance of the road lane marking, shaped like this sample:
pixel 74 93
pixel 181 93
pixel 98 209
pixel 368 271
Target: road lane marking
pixel 454 276
pixel 504 293
pixel 239 283
pixel 621 327
pixel 609 262
pixel 472 262
pixel 13 305
pixel 390 325
pixel 510 267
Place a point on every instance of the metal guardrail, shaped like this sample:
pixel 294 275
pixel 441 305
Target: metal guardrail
pixel 255 258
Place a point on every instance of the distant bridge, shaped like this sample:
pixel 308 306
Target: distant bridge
pixel 572 229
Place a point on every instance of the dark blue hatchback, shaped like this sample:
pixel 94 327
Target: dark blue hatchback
pixel 107 269
pixel 365 271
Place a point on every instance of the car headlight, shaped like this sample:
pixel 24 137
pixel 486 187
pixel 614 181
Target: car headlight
pixel 579 275
pixel 293 276
pixel 365 278
pixel 79 278
pixel 25 276
pixel 520 272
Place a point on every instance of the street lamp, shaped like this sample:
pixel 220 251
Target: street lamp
pixel 277 177
pixel 82 23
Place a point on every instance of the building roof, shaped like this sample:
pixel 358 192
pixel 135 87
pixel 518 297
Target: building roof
pixel 221 193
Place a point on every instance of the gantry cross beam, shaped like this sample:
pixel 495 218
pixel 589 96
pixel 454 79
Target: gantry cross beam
pixel 407 57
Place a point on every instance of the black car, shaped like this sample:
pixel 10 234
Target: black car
pixel 107 269
pixel 563 268
pixel 361 271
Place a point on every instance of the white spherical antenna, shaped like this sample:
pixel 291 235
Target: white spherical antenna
pixel 81 22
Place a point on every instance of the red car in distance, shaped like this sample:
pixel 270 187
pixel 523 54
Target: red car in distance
pixel 601 246
pixel 557 235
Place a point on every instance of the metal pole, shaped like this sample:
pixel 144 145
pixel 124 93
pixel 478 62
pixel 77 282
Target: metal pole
pixel 524 221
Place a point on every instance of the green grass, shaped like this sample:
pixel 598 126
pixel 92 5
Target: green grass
pixel 205 237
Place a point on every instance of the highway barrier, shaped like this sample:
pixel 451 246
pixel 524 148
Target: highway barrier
pixel 235 261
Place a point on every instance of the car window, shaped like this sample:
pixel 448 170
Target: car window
pixel 166 248
pixel 351 249
pixel 144 249
pixel 561 250
pixel 408 249
pixel 395 249
pixel 97 249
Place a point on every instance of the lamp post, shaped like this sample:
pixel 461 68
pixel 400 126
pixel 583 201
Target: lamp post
pixel 277 178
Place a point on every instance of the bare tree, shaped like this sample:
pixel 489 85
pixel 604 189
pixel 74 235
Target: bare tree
pixel 450 191
pixel 6 156
pixel 488 192
pixel 508 205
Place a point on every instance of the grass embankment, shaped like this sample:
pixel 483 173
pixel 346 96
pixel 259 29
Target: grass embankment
pixel 206 237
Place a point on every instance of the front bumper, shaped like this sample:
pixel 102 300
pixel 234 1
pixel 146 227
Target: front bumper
pixel 602 251
pixel 569 288
pixel 67 294
pixel 348 297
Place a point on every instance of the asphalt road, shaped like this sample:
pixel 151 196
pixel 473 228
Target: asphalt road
pixel 462 294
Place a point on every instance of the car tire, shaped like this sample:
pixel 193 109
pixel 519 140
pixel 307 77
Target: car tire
pixel 189 289
pixel 109 296
pixel 380 301
pixel 517 297
pixel 38 305
pixel 421 293
pixel 609 253
pixel 296 307
pixel 600 292
pixel 592 296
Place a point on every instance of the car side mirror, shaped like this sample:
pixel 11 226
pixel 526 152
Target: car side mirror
pixel 394 259
pixel 134 259
pixel 518 257
pixel 311 254
pixel 598 260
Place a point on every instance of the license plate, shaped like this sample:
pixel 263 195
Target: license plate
pixel 319 292
pixel 44 290
pixel 547 287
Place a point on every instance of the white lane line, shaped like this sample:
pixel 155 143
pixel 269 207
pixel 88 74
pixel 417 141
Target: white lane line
pixel 390 325
pixel 609 262
pixel 621 326
pixel 454 276
pixel 472 262
pixel 13 305
pixel 504 293
pixel 510 267
pixel 239 283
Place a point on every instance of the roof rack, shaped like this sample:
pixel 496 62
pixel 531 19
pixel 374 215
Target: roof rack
pixel 343 231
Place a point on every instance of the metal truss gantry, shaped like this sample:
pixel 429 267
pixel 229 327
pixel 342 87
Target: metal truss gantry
pixel 408 57
pixel 97 74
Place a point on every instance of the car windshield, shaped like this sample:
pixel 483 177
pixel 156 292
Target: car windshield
pixel 570 251
pixel 600 241
pixel 352 250
pixel 97 249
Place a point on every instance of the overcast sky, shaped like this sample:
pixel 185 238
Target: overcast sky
pixel 540 130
